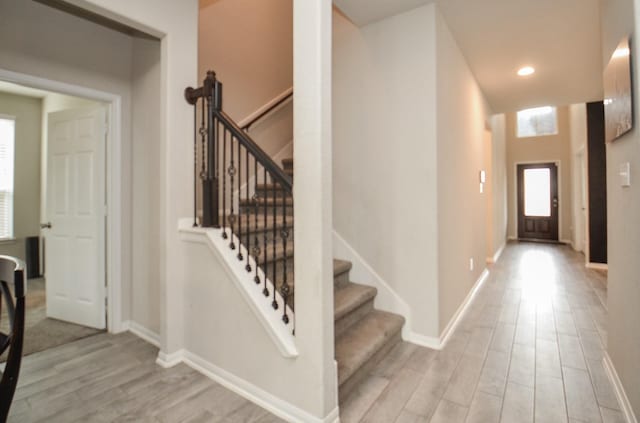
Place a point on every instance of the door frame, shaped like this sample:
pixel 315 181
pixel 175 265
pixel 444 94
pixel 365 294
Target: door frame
pixel 558 163
pixel 113 216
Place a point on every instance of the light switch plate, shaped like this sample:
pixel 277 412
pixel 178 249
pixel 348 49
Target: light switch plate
pixel 625 174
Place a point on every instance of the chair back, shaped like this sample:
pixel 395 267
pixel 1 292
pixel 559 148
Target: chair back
pixel 12 291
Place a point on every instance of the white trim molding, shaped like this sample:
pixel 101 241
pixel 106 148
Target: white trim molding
pixel 244 122
pixel 597 266
pixel 167 361
pixel 496 256
pixel 254 393
pixel 271 319
pixel 621 395
pixel 459 314
pixel 142 332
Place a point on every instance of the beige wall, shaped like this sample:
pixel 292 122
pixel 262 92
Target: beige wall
pixel 249 44
pixel 498 182
pixel 462 114
pixel 551 148
pixel 384 150
pixel 147 176
pixel 408 147
pixel 623 208
pixel 579 154
pixel 26 195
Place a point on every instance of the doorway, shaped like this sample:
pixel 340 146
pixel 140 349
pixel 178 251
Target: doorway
pixel 538 201
pixel 63 163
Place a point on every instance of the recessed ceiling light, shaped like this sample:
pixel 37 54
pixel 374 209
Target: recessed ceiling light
pixel 526 71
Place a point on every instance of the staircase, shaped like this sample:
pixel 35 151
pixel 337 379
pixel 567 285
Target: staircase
pixel 363 335
pixel 246 194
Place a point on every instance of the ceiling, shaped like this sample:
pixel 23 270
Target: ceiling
pixel 559 38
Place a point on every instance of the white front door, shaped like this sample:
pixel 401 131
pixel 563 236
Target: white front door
pixel 75 206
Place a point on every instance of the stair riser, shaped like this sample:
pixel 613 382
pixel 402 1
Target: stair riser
pixel 250 240
pixel 346 321
pixel 260 210
pixel 269 193
pixel 279 266
pixel 349 385
pixel 341 279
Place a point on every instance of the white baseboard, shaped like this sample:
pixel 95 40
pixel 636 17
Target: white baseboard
pixel 497 255
pixel 251 392
pixel 423 340
pixel 166 361
pixel 621 395
pixel 142 332
pixel 457 317
pixel 566 241
pixel 597 266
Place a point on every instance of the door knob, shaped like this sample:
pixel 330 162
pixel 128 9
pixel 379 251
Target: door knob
pixel 555 202
pixel 45 225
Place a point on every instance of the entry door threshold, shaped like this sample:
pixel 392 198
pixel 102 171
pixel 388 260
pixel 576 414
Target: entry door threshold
pixel 541 241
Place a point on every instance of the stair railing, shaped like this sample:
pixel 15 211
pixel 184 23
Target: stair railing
pixel 244 193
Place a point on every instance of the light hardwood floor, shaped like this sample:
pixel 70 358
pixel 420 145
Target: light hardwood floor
pixel 529 349
pixel 114 378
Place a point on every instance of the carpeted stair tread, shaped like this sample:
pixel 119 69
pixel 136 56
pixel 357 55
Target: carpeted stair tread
pixel 363 340
pixel 341 266
pixel 349 297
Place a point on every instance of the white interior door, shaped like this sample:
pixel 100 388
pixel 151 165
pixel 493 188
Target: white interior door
pixel 75 206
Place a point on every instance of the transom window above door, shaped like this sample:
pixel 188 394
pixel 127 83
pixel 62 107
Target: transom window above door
pixel 537 122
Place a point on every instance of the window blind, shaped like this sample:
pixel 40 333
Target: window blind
pixel 7 164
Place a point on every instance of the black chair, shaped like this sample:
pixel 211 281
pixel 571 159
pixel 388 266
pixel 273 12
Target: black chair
pixel 12 274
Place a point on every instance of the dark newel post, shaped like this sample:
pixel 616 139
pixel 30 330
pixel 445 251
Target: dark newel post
pixel 210 211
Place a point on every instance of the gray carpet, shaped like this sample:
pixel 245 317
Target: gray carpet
pixel 42 332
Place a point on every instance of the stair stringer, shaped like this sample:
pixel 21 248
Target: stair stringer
pixel 387 298
pixel 271 319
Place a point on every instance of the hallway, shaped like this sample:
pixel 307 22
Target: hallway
pixel 528 349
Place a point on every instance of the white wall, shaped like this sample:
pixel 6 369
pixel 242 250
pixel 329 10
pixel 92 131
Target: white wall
pixel 26 196
pixel 384 143
pixel 619 19
pixel 579 155
pixel 462 114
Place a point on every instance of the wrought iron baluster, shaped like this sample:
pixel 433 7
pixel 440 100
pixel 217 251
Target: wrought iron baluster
pixel 224 185
pixel 240 256
pixel 232 173
pixel 285 236
pixel 265 291
pixel 256 246
pixel 247 266
pixel 274 304
pixel 195 167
